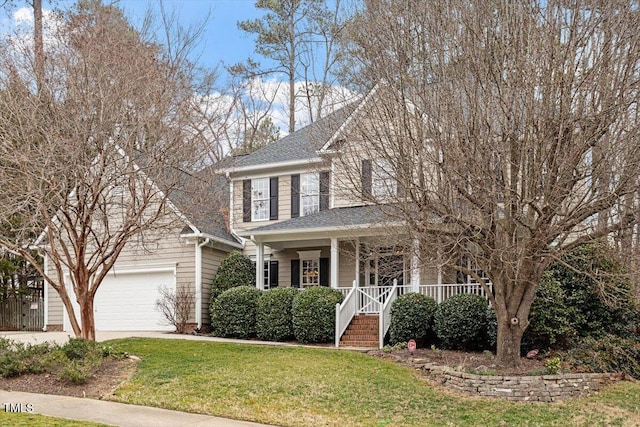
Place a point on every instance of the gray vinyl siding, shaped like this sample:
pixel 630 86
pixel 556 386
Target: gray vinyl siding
pixel 55 307
pixel 168 250
pixel 211 259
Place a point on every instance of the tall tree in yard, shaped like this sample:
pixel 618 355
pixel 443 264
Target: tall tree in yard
pixel 94 167
pixel 510 130
pixel 299 36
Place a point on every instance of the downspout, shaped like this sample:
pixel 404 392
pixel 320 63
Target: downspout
pixel 199 247
pixel 45 286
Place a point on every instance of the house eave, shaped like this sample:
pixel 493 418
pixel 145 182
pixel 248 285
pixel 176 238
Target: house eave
pixel 312 232
pixel 200 235
pixel 269 166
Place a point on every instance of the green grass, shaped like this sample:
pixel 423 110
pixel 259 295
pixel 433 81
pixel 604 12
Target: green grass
pixel 324 387
pixel 33 420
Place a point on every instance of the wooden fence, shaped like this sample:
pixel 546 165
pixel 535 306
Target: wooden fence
pixel 22 312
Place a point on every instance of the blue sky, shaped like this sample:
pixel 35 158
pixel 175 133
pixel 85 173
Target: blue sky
pixel 222 41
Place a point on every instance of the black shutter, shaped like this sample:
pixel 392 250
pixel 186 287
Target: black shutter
pixel 366 179
pixel 324 271
pixel 324 191
pixel 246 200
pixel 295 196
pixel 273 198
pixel 273 274
pixel 295 273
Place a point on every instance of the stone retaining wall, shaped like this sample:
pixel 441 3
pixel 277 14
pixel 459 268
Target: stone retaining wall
pixel 541 388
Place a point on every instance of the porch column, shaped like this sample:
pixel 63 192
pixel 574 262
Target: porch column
pixel 357 278
pixel 260 265
pixel 415 266
pixel 335 254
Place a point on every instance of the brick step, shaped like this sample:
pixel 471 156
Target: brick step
pixel 370 324
pixel 361 332
pixel 353 327
pixel 360 337
pixel 368 344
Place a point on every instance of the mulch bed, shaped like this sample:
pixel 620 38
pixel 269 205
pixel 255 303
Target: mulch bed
pixel 109 376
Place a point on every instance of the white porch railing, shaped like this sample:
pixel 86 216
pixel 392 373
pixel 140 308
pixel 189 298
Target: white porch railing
pixel 378 300
pixel 441 292
pixel 346 311
pixel 384 321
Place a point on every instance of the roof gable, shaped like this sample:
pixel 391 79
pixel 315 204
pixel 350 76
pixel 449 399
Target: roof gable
pixel 300 146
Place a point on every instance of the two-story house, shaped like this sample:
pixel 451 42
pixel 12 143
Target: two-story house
pixel 295 211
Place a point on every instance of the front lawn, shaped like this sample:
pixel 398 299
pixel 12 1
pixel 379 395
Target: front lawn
pixel 325 387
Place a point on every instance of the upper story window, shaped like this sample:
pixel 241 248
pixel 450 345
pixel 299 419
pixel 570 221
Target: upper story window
pixel 259 199
pixel 383 181
pixel 310 193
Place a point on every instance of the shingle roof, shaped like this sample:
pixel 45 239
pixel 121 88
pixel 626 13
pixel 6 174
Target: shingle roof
pixel 336 218
pixel 202 200
pixel 300 145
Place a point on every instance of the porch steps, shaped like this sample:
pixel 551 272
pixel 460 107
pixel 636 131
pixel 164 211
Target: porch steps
pixel 361 332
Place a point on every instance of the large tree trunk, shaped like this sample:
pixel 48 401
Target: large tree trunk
pixel 87 319
pixel 38 43
pixel 509 340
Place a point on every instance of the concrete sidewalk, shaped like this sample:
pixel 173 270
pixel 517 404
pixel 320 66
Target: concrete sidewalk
pixel 112 413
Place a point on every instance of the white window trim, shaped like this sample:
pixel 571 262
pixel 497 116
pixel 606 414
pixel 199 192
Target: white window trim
pixel 304 195
pixel 383 182
pixel 309 256
pixel 264 199
pixel 266 267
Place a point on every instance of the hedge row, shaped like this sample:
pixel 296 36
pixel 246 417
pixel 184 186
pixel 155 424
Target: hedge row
pixel 277 315
pixel 462 322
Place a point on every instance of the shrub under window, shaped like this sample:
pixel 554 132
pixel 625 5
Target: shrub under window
pixel 314 314
pixel 412 318
pixel 274 318
pixel 233 314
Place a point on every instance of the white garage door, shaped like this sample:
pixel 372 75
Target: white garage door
pixel 127 302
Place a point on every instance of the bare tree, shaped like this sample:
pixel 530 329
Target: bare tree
pixel 97 165
pixel 300 37
pixel 176 306
pixel 500 133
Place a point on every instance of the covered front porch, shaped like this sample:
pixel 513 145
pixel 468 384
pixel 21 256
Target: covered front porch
pixel 351 250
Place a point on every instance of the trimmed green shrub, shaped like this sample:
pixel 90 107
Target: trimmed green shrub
pixel 235 270
pixel 461 323
pixel 78 348
pixel 412 318
pixel 233 314
pixel 314 314
pixel 274 317
pixel 492 329
pixel 18 358
pixel 608 353
pixel 549 322
pixel 599 302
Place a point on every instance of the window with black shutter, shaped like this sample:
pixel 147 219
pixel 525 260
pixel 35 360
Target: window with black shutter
pixel 295 196
pixel 246 200
pixel 273 274
pixel 273 198
pixel 366 179
pixel 324 271
pixel 324 191
pixel 295 273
